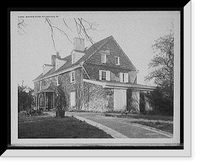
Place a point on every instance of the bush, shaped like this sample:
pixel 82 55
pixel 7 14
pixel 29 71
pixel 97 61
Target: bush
pixel 25 98
pixel 60 102
pixel 161 104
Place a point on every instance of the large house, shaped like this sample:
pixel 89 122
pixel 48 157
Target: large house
pixel 99 78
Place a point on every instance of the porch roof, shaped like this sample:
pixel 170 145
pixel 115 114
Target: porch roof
pixel 121 85
pixel 49 89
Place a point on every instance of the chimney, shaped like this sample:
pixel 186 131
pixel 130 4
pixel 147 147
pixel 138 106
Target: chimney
pixel 53 58
pixel 79 49
pixel 57 55
pixel 79 44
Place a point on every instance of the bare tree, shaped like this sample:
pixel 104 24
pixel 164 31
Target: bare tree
pixel 21 25
pixel 82 26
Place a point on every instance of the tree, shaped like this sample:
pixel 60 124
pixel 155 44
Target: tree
pixel 82 26
pixel 25 98
pixel 60 102
pixel 163 72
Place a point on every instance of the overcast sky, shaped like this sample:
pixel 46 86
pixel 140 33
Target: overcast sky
pixel 135 32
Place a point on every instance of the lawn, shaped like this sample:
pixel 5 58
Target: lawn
pixel 140 116
pixel 164 123
pixel 158 125
pixel 51 127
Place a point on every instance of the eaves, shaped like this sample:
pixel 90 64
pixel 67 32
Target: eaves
pixel 60 72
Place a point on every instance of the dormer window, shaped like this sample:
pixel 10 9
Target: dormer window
pixel 103 58
pixel 117 60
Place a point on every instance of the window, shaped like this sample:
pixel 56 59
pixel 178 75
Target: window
pixel 104 75
pixel 123 77
pixel 72 76
pixel 103 58
pixel 117 60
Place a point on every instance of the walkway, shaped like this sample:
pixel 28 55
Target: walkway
pixel 120 126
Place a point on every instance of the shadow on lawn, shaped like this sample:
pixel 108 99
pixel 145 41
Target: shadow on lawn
pixel 51 127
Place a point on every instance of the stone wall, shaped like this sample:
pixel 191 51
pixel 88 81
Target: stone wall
pixel 72 87
pixel 64 81
pixel 96 98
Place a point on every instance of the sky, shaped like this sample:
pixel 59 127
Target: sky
pixel 134 31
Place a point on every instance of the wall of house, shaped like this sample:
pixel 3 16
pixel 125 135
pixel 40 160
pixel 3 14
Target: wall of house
pixel 44 84
pixel 93 71
pixel 73 87
pixel 64 81
pixel 96 98
pixel 94 64
pixel 113 50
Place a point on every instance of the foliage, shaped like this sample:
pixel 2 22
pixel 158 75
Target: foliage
pixel 129 100
pixel 60 101
pixel 25 98
pixel 163 62
pixel 142 103
pixel 161 104
pixel 163 75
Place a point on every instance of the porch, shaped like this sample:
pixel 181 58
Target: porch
pixel 122 96
pixel 44 99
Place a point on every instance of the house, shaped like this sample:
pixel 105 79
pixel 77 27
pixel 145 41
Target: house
pixel 99 78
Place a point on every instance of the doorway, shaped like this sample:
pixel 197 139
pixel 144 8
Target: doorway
pixel 120 101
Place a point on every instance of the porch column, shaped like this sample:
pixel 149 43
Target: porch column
pixel 53 100
pixel 45 98
pixel 36 101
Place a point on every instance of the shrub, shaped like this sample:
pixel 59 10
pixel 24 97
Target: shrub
pixel 60 102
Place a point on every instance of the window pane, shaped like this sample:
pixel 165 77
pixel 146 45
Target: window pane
pixel 103 75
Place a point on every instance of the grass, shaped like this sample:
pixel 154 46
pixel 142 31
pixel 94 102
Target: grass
pixel 164 123
pixel 140 116
pixel 50 127
pixel 158 125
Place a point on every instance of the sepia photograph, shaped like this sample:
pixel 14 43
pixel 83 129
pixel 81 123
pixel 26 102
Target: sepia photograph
pixel 96 79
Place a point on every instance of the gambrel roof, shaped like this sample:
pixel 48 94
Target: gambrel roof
pixel 88 53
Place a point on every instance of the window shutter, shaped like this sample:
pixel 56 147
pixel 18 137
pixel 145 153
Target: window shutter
pixel 70 76
pixel 57 81
pixel 102 58
pixel 125 77
pixel 108 75
pixel 121 77
pixel 100 74
pixel 72 99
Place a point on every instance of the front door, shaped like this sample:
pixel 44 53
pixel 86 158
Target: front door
pixel 120 102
